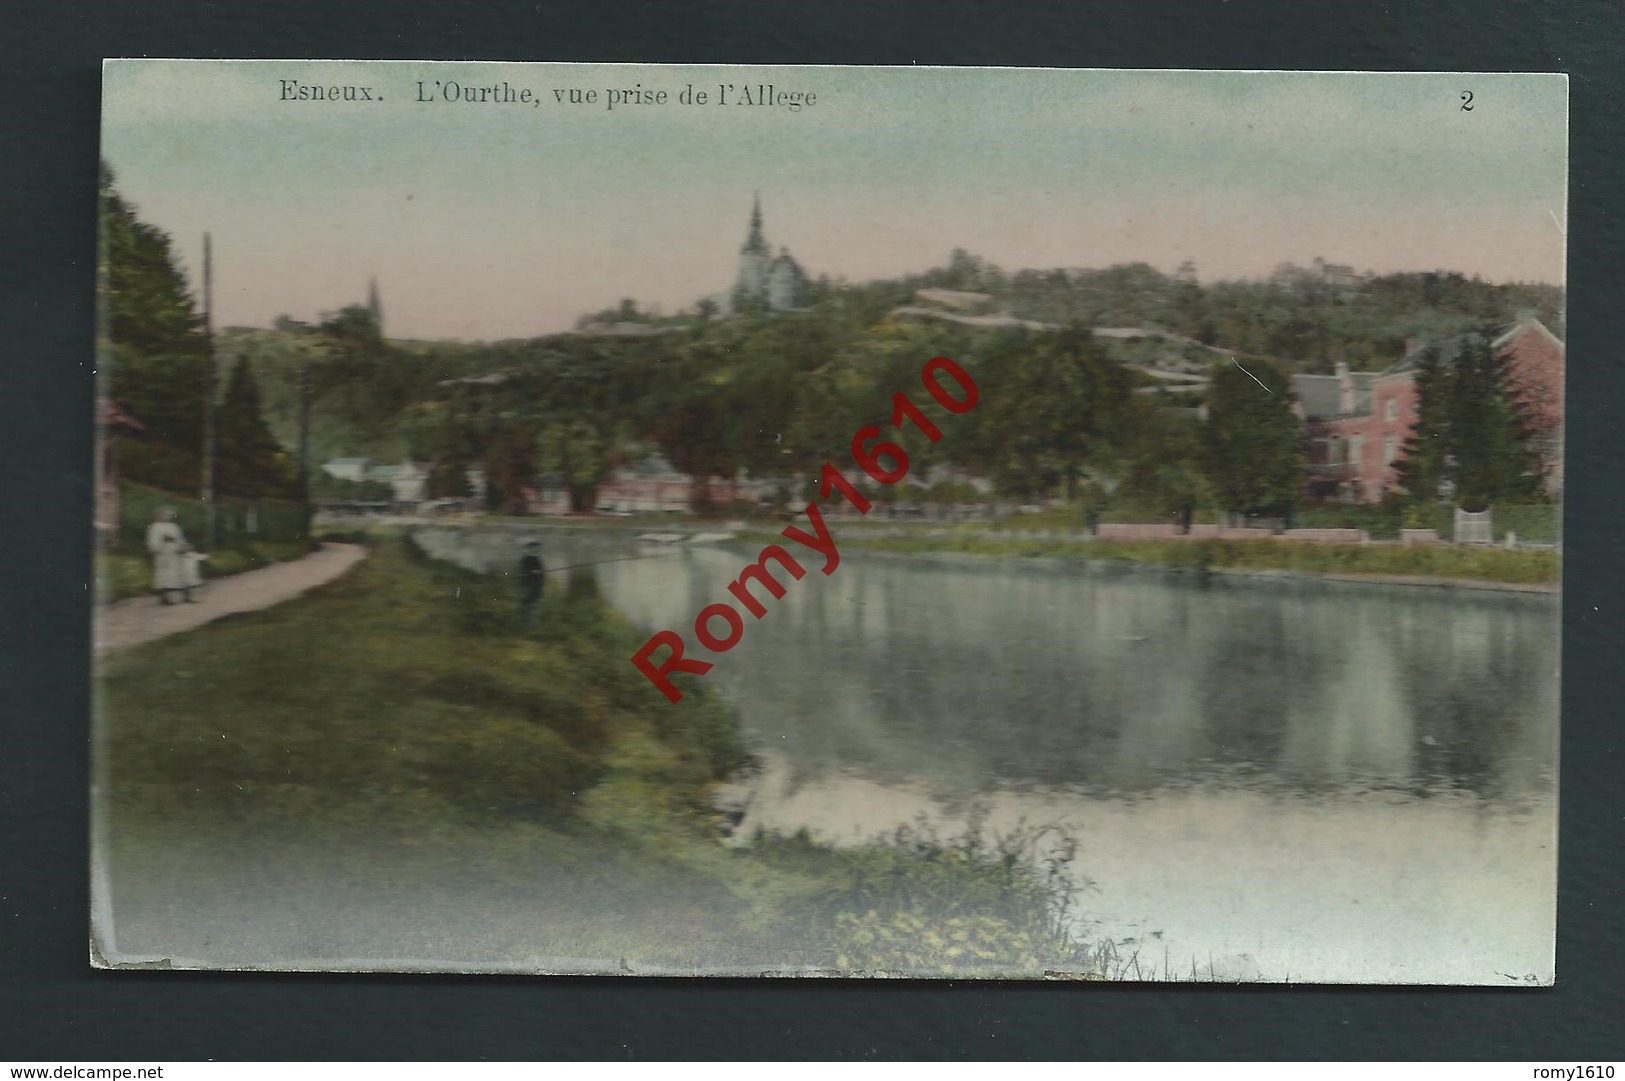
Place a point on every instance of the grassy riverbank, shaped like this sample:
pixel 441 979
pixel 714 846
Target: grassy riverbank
pixel 1378 561
pixel 404 714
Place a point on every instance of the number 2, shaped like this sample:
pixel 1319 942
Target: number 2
pixel 1466 101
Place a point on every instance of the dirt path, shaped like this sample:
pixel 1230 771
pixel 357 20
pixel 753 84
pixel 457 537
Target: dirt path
pixel 141 619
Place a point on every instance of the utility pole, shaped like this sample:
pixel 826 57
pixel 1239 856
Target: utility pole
pixel 207 495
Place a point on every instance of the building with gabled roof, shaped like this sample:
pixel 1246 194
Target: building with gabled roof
pixel 1537 364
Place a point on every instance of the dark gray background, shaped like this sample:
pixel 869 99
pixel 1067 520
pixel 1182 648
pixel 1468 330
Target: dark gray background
pixel 54 1008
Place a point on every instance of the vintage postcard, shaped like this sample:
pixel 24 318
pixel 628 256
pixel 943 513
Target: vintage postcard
pixel 829 521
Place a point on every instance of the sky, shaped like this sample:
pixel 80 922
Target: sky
pixel 485 220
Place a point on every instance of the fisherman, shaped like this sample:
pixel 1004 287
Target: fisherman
pixel 531 575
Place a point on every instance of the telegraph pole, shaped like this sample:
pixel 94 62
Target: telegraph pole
pixel 207 495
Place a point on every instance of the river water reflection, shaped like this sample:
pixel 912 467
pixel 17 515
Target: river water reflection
pixel 1269 779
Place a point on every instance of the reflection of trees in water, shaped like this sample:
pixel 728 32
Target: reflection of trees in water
pixel 855 677
pixel 581 586
pixel 1021 671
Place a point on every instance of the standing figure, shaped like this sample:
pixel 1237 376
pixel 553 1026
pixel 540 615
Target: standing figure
pixel 167 544
pixel 531 574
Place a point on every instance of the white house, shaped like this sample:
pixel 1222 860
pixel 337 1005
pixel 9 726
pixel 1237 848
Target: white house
pixel 409 480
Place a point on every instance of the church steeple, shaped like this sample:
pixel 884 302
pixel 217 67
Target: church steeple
pixel 755 243
pixel 375 307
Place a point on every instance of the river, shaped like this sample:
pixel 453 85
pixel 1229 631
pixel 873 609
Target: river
pixel 1269 779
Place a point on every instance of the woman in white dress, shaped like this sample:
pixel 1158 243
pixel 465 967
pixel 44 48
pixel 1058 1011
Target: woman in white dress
pixel 168 546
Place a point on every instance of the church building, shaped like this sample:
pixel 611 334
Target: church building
pixel 375 307
pixel 766 281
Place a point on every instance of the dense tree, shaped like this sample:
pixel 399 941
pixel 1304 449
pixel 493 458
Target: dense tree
pixel 1489 446
pixel 510 467
pixel 778 394
pixel 150 309
pixel 1469 439
pixel 353 327
pixel 161 372
pixel 576 451
pixel 963 271
pixel 1163 478
pixel 1425 465
pixel 1187 306
pixel 1252 443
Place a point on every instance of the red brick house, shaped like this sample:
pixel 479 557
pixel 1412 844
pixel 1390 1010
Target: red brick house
pixel 111 422
pixel 1357 423
pixel 651 484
